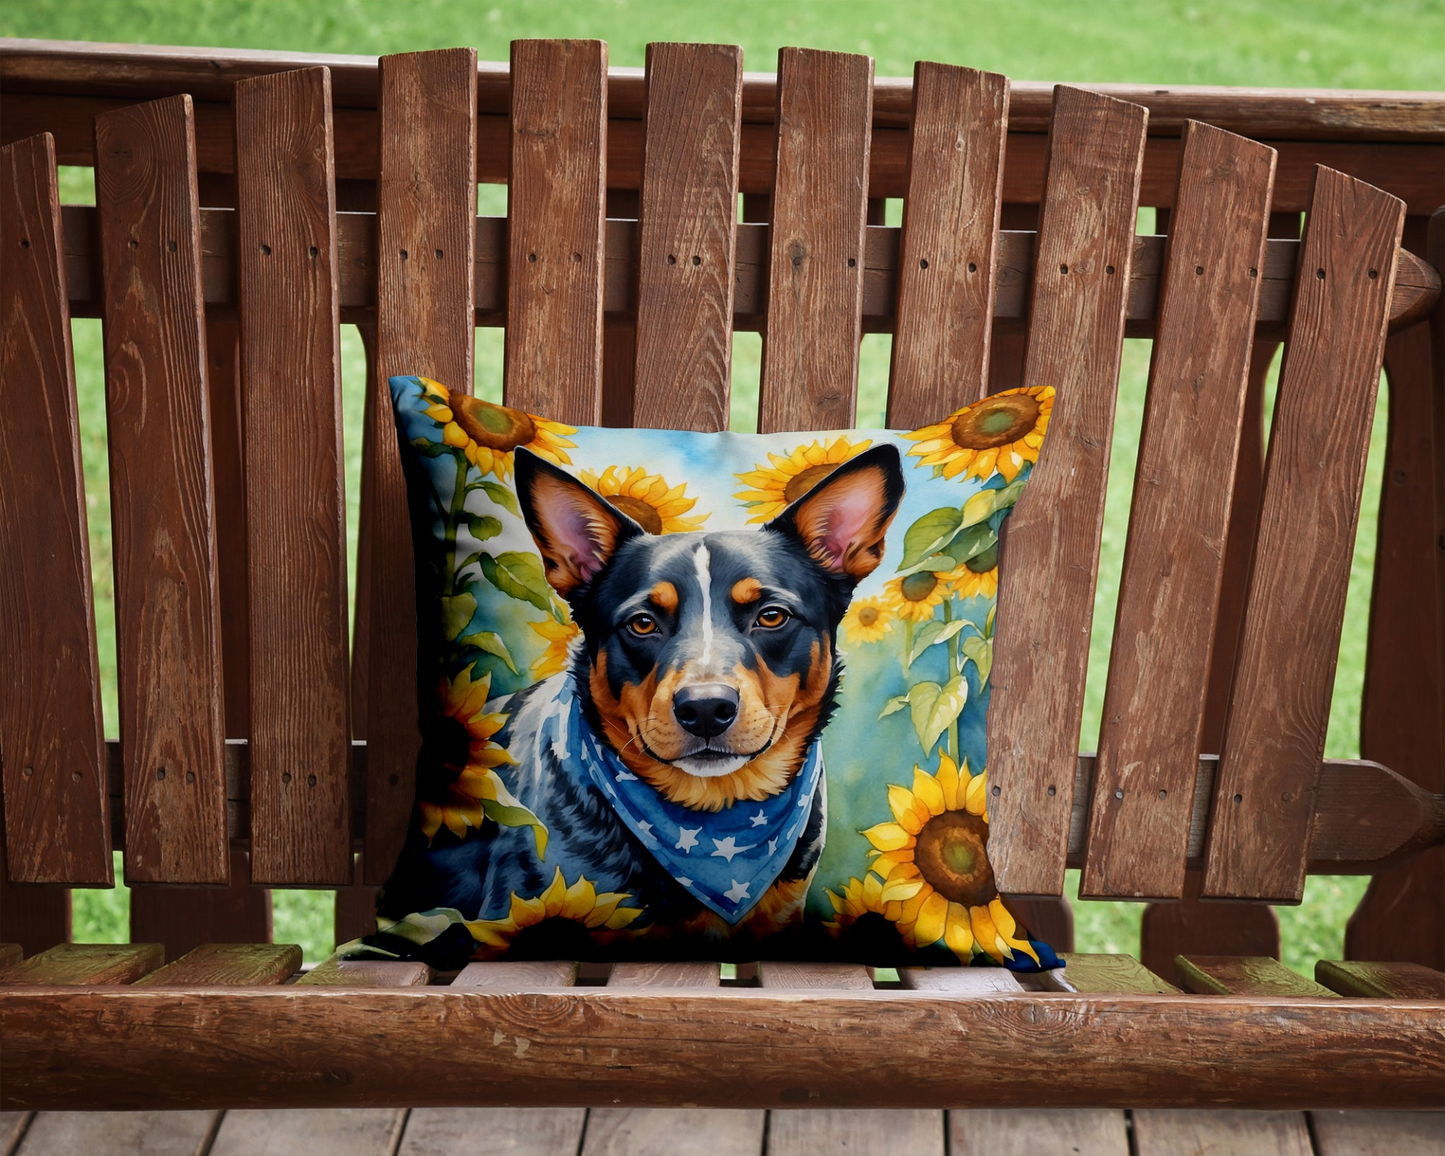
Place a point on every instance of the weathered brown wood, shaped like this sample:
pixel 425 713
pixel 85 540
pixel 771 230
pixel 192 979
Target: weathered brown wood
pixel 1087 973
pixel 34 915
pixel 317 1132
pixel 917 1131
pixel 519 1131
pixel 56 818
pixel 673 1132
pixel 335 972
pixel 223 378
pixel 949 245
pixel 556 205
pixel 1378 1133
pixel 1076 334
pixel 1033 1131
pixel 1153 718
pixel 815 976
pixel 230 964
pixel 1182 1132
pixel 134 1133
pixel 168 634
pixel 85 963
pixel 958 980
pixel 687 236
pixel 664 975
pixel 295 498
pixel 518 975
pixel 13 1126
pixel 1190 926
pixel 1275 733
pixel 1243 975
pixel 1381 980
pixel 355 913
pixel 184 918
pixel 10 953
pixel 426 225
pixel 816 260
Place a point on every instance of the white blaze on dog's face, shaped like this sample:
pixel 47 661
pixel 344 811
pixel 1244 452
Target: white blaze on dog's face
pixel 709 660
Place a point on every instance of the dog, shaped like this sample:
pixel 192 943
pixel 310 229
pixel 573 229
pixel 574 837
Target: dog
pixel 697 693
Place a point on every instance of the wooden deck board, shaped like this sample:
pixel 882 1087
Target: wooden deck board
pixel 856 1131
pixel 472 1131
pixel 1033 1132
pixel 121 1134
pixel 674 1132
pixel 1187 1132
pixel 314 1131
pixel 1379 1133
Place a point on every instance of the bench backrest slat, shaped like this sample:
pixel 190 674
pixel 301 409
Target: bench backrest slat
pixel 687 236
pixel 1076 337
pixel 57 821
pixel 1279 708
pixel 426 240
pixel 819 206
pixel 1149 742
pixel 295 495
pixel 168 638
pixel 556 205
pixel 949 248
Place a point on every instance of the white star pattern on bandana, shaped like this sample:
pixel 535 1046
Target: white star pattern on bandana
pixel 728 847
pixel 626 777
pixel 760 819
pixel 687 838
pixel 737 892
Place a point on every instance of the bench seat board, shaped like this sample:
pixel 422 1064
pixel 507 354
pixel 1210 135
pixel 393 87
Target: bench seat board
pixel 1243 975
pixel 1034 1131
pixel 1378 1133
pixel 295 496
pixel 130 1133
pixel 1169 1132
pixel 163 515
pixel 316 1132
pixel 1382 980
pixel 470 1131
pixel 229 964
pixel 85 964
pixel 56 818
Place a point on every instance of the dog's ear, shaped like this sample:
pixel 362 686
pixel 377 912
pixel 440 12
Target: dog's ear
pixel 576 531
pixel 841 521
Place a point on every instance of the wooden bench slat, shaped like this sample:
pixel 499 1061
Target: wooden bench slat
pixel 814 976
pixel 687 236
pixel 133 1133
pixel 516 1131
pixel 1364 1133
pixel 184 918
pixel 556 204
pixel 1076 337
pixel 335 972
pixel 1149 739
pixel 1034 1131
pixel 959 980
pixel 1279 707
pixel 1167 1132
pixel 85 963
pixel 168 638
pixel 1243 975
pixel 517 975
pixel 673 1132
pixel 231 964
pixel 1096 973
pixel 296 507
pixel 315 1131
pixel 949 245
pixel 1381 980
pixel 33 915
pixel 57 825
pixel 816 260
pixel 664 975
pixel 426 245
pixel 808 1131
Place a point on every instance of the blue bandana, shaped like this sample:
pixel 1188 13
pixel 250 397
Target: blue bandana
pixel 725 859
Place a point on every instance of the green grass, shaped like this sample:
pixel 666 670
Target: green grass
pixel 1301 43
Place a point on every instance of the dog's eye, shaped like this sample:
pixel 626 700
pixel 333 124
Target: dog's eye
pixel 642 624
pixel 771 617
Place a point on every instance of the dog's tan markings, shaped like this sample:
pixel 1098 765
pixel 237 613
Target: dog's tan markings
pixel 747 590
pixel 664 597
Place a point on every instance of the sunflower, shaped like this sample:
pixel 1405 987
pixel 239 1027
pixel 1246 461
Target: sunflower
pixel 561 916
pixel 776 487
pixel 559 636
pixel 915 596
pixel 867 620
pixel 937 882
pixel 860 899
pixel 645 498
pixel 975 577
pixel 999 433
pixel 487 434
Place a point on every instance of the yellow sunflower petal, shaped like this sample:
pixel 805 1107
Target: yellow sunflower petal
pixel 1008 929
pixel 948 782
pixel 987 934
pixel 928 927
pixel 889 837
pixel 976 795
pixel 900 802
pixel 556 891
pixel 902 889
pixel 957 933
pixel 578 899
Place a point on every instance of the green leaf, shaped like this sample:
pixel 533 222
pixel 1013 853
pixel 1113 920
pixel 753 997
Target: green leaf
pixel 1007 496
pixel 499 493
pixel 483 526
pixel 492 644
pixel 893 706
pixel 981 651
pixel 517 816
pixel 934 707
pixel 932 634
pixel 967 542
pixel 457 611
pixel 519 576
pixel 989 621
pixel 980 507
pixel 929 534
pixel 429 449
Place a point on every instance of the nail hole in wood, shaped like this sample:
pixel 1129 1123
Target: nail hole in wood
pixel 76 776
pixel 133 243
pixel 923 263
pixel 286 777
pixel 310 780
pixel 1118 793
pixel 393 779
pixel 1239 798
pixel 25 242
pixel 313 251
pixel 852 262
pixel 1109 269
pixel 190 776
pixel 1163 794
pixel 1053 791
pixel 696 260
pixel 577 257
pixel 437 254
pixel 672 259
pixel 171 245
pixel 404 254
pixel 995 791
pixel 29 772
pixel 797 262
pixel 1063 268
pixel 1319 274
pixel 265 250
pixel 160 774
pixel 1199 270
pixel 1374 273
pixel 532 257
pixel 1254 272
pixel 972 268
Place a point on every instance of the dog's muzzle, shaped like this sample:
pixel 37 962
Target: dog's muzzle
pixel 705 710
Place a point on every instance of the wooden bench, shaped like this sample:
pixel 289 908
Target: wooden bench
pixel 222 255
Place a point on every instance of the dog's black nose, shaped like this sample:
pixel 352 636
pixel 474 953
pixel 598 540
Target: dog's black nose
pixel 705 710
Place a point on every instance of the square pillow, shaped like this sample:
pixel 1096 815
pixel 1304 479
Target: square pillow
pixel 688 695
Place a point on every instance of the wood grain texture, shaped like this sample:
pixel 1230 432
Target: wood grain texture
pixel 1191 926
pixel 355 912
pixel 229 964
pixel 1153 717
pixel 1087 972
pixel 1275 732
pixel 10 953
pixel 958 980
pixel 515 1131
pixel 13 1126
pixel 687 236
pixel 299 1046
pixel 85 963
pixel 163 516
pixel 34 915
pixel 184 918
pixel 335 972
pixel 1243 975
pixel 674 1132
pixel 785 975
pixel 1381 980
pixel 1076 335
pixel 317 1132
pixel 56 818
pixel 1034 1131
pixel 1184 1132
pixel 1378 1133
pixel 664 975
pixel 295 497
pixel 949 245
pixel 517 975
pixel 131 1133
pixel 426 245
pixel 555 208
pixel 879 1132
pixel 815 281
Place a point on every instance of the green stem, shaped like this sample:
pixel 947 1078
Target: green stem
pixel 459 501
pixel 952 673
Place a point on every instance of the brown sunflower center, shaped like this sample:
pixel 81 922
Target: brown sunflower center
pixel 546 939
pixel 995 422
pixel 639 511
pixel 950 856
pixel 800 484
pixel 493 426
pixel 868 616
pixel 448 743
pixel 917 587
pixel 983 563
